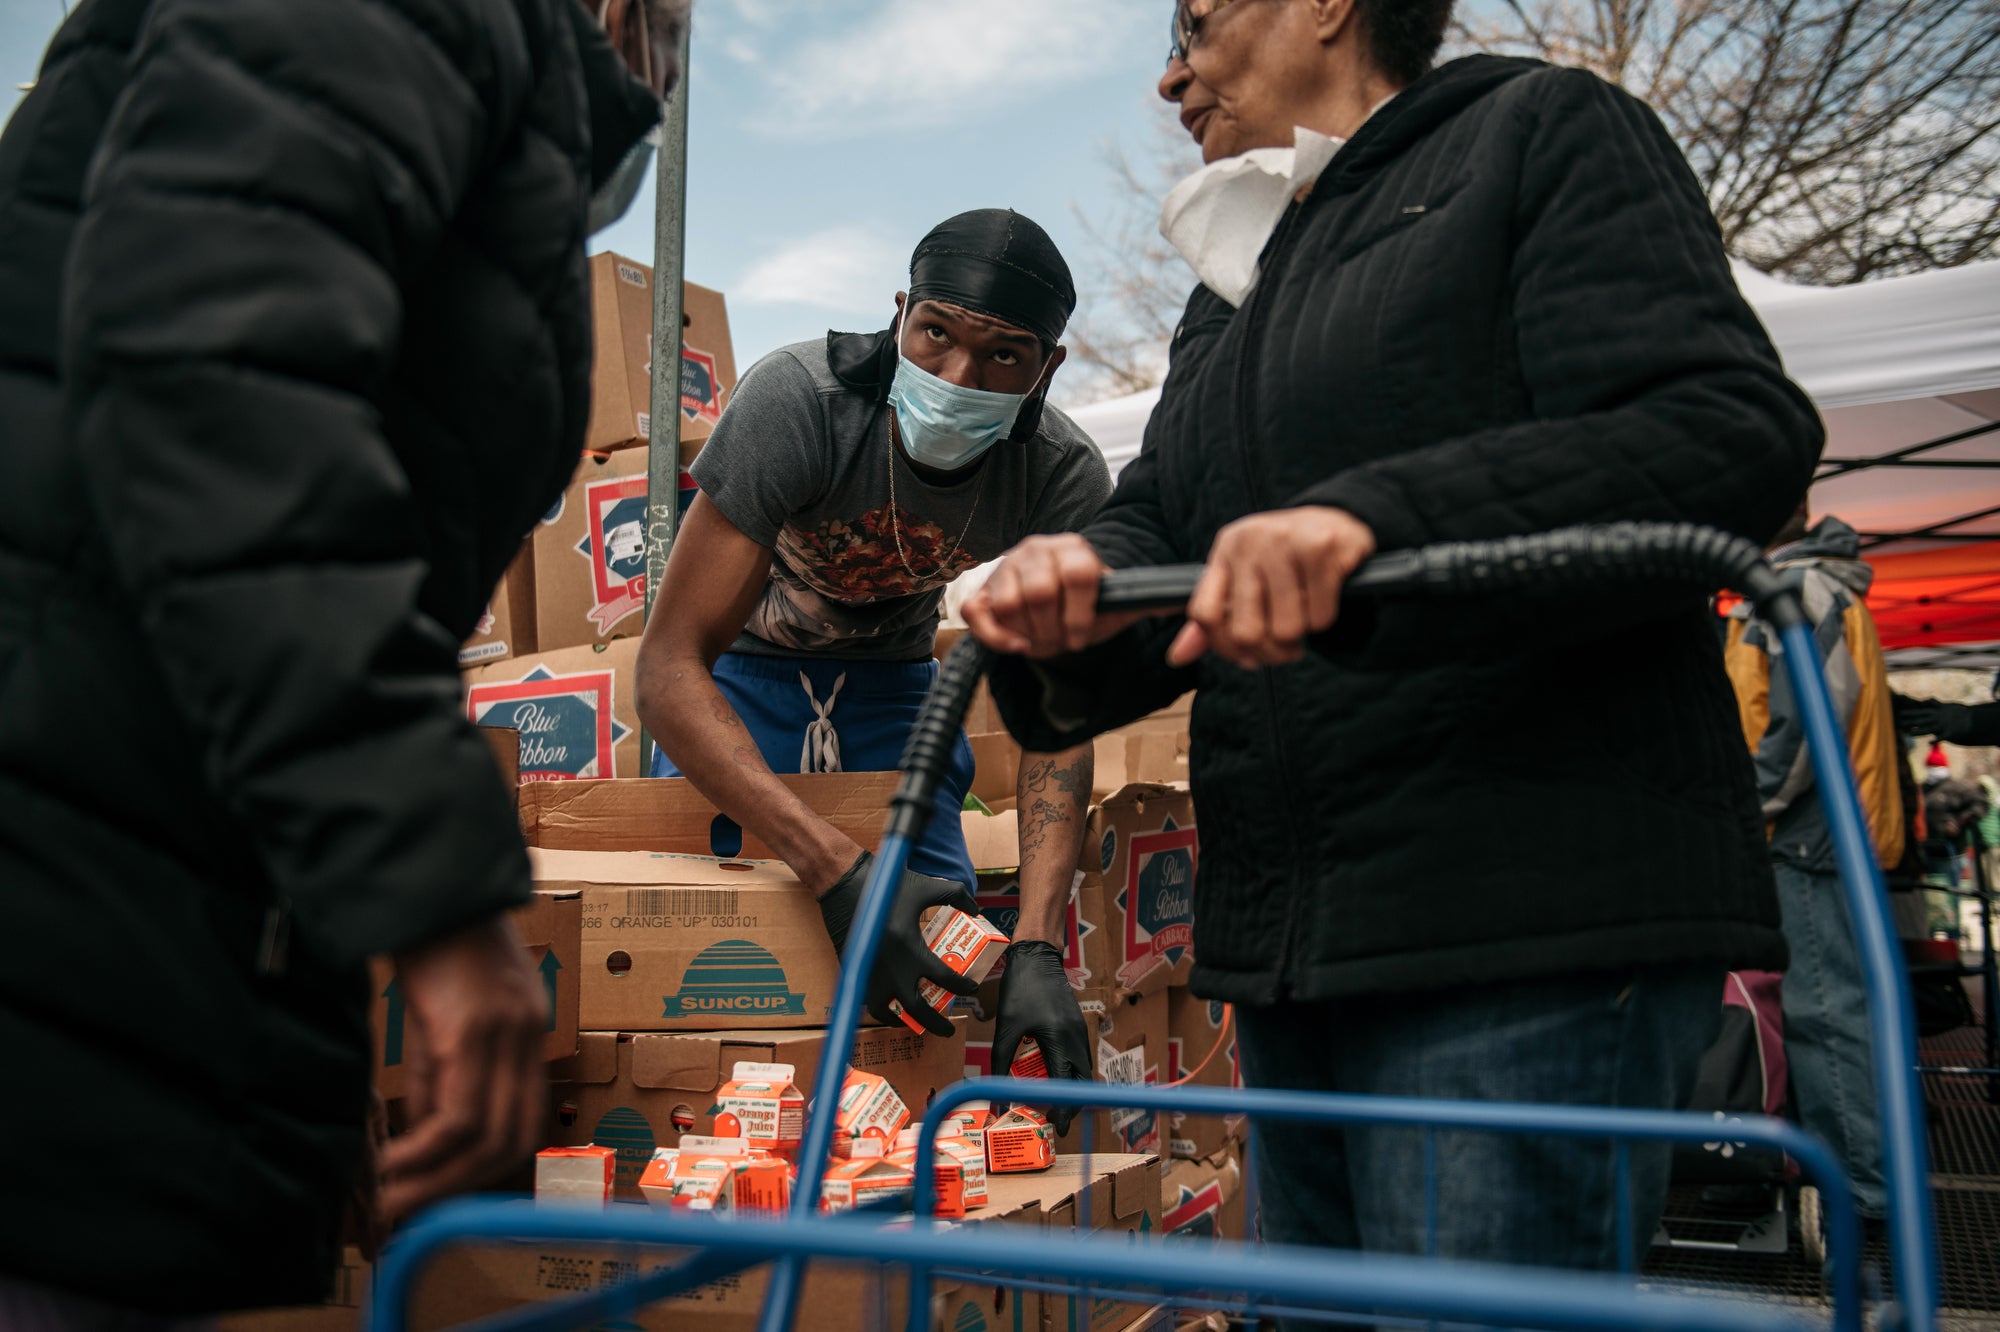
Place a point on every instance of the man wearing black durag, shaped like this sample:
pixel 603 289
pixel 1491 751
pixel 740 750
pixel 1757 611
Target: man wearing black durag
pixel 850 480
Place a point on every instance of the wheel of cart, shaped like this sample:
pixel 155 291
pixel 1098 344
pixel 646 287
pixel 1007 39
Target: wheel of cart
pixel 1268 1279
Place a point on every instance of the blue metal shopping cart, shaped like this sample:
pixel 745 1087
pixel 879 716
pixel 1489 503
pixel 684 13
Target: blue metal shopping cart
pixel 1273 1280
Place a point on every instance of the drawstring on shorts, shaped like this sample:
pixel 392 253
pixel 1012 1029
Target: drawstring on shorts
pixel 821 751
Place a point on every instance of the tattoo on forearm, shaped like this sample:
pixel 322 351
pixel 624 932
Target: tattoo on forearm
pixel 747 756
pixel 724 713
pixel 1057 796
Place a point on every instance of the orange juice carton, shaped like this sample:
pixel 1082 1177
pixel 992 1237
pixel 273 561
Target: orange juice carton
pixel 960 1176
pixel 1019 1140
pixel 1028 1061
pixel 720 1175
pixel 864 1177
pixel 575 1175
pixel 869 1108
pixel 761 1104
pixel 969 945
pixel 969 1122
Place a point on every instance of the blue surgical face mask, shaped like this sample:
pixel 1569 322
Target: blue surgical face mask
pixel 610 203
pixel 943 425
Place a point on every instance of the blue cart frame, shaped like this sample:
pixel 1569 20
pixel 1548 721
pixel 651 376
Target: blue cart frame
pixel 1307 1282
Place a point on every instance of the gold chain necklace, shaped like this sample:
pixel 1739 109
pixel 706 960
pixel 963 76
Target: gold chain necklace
pixel 896 525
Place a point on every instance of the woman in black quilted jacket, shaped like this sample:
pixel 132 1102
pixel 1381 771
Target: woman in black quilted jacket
pixel 1437 303
pixel 294 347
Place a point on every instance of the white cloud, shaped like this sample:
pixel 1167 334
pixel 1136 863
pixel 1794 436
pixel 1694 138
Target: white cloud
pixel 934 62
pixel 847 269
pixel 757 13
pixel 742 52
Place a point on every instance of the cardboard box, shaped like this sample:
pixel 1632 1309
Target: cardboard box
pixel 1204 1199
pixel 470 1282
pixel 1146 848
pixel 621 384
pixel 589 555
pixel 551 925
pixel 1131 1038
pixel 1198 1031
pixel 573 708
pixel 692 943
pixel 639 1092
pixel 1123 1198
pixel 1146 751
pixel 507 629
pixel 996 770
pixel 574 1175
pixel 505 742
pixel 669 814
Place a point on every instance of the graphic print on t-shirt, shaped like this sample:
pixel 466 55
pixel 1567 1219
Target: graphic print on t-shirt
pixel 856 561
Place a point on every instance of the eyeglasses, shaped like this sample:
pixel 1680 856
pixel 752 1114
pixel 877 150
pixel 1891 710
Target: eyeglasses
pixel 1188 16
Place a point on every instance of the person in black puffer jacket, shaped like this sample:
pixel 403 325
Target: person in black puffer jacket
pixel 295 345
pixel 1502 306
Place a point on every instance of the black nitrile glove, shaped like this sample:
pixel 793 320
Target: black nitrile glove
pixel 902 959
pixel 1036 1000
pixel 1954 723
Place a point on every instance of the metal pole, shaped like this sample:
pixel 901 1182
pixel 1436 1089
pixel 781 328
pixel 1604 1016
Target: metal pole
pixel 663 436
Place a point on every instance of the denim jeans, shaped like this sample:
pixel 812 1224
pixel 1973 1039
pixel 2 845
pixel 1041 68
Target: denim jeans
pixel 1629 1038
pixel 1827 1046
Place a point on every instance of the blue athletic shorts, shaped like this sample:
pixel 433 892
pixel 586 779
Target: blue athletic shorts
pixel 873 709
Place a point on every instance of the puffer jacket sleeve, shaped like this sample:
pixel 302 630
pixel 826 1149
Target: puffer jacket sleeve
pixel 271 178
pixel 1655 393
pixel 1051 705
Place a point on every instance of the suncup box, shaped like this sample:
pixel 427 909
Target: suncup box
pixel 469 1282
pixel 691 943
pixel 639 1091
pixel 550 925
pixel 574 709
pixel 1201 1035
pixel 507 626
pixel 669 814
pixel 621 384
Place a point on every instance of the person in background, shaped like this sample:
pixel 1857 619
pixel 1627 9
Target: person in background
pixel 849 482
pixel 1825 999
pixel 1445 303
pixel 295 346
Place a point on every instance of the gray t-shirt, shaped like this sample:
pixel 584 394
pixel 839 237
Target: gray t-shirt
pixel 801 463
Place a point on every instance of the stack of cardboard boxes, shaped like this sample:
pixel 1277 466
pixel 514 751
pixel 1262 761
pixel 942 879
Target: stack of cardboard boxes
pixel 554 654
pixel 675 947
pixel 1128 946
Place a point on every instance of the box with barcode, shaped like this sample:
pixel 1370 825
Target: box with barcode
pixel 693 943
pixel 1131 1048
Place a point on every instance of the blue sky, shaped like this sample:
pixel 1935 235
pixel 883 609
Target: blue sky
pixel 826 136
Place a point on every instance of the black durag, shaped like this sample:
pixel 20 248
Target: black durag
pixel 992 261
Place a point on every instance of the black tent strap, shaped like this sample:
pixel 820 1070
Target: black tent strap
pixel 1842 466
pixel 1937 530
